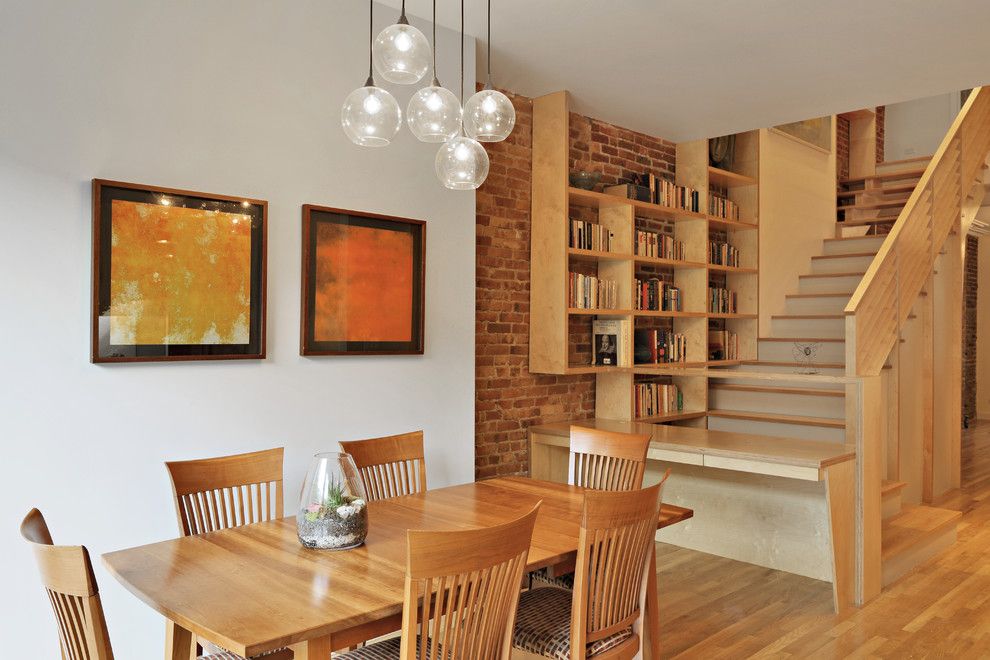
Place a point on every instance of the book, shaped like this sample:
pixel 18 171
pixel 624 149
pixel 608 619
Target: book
pixel 722 254
pixel 722 301
pixel 659 347
pixel 656 295
pixel 722 207
pixel 723 345
pixel 591 292
pixel 591 236
pixel 654 244
pixel 609 348
pixel 654 399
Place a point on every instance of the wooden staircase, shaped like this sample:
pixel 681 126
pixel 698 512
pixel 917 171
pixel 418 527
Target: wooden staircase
pixel 911 532
pixel 872 203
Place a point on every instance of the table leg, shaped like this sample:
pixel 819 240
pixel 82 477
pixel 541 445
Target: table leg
pixel 652 614
pixel 180 644
pixel 313 649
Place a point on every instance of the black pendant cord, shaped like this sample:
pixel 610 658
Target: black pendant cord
pixel 370 82
pixel 462 53
pixel 436 81
pixel 488 80
pixel 402 17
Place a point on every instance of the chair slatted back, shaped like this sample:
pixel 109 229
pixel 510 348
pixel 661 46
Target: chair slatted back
pixel 228 491
pixel 606 460
pixel 615 549
pixel 390 466
pixel 469 584
pixel 67 574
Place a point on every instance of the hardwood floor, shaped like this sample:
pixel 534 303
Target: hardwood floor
pixel 712 607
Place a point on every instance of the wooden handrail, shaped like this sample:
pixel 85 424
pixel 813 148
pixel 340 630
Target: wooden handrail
pixel 883 300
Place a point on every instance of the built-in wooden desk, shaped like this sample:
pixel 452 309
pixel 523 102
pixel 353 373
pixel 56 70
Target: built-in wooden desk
pixel 831 463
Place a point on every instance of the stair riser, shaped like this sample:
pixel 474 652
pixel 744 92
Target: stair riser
pixel 890 505
pixel 926 548
pixel 777 369
pixel 841 265
pixel 828 305
pixel 779 351
pixel 829 284
pixel 834 328
pixel 862 244
pixel 777 429
pixel 913 164
pixel 832 407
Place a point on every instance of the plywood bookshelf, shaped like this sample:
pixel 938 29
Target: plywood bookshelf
pixel 557 337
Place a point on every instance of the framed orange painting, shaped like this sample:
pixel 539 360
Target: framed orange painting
pixel 362 283
pixel 177 275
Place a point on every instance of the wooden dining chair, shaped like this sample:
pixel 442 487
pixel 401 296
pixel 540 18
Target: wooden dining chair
pixel 67 574
pixel 228 491
pixel 468 581
pixel 389 466
pixel 607 460
pixel 211 494
pixel 603 616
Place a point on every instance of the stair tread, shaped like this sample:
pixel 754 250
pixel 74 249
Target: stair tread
pixel 839 239
pixel 775 363
pixel 882 204
pixel 882 190
pixel 851 255
pixel 804 339
pixel 769 389
pixel 901 161
pixel 911 525
pixel 819 295
pixel 808 316
pixel 891 486
pixel 846 274
pixel 912 173
pixel 802 420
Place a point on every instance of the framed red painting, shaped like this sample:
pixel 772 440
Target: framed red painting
pixel 177 275
pixel 363 281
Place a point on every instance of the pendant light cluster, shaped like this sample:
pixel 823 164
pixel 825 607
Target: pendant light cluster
pixel 401 54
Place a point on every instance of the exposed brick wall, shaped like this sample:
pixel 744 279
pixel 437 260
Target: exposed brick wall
pixel 842 148
pixel 971 283
pixel 881 117
pixel 509 399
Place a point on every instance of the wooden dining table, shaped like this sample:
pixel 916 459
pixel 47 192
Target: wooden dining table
pixel 254 588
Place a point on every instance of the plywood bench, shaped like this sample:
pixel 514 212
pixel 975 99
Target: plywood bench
pixel 830 463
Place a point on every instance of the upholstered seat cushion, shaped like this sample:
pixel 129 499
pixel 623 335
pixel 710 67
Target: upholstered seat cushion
pixel 543 625
pixel 543 577
pixel 387 649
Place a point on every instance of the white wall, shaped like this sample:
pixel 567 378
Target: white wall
pixel 228 96
pixel 916 128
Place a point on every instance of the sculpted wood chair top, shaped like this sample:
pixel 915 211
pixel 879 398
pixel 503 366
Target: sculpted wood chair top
pixel 228 491
pixel 67 574
pixel 606 460
pixel 468 581
pixel 603 616
pixel 390 466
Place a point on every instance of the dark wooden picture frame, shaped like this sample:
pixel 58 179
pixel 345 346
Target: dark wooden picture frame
pixel 143 198
pixel 315 273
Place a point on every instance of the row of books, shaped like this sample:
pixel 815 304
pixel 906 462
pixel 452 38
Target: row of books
pixel 667 193
pixel 652 244
pixel 722 301
pixel 591 236
pixel 659 347
pixel 722 254
pixel 721 207
pixel 656 295
pixel 610 349
pixel 654 399
pixel 590 292
pixel 723 345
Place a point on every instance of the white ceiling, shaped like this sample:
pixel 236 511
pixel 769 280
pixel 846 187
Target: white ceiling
pixel 685 69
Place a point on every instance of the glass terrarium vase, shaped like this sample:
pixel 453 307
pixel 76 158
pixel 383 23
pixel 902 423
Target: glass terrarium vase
pixel 333 511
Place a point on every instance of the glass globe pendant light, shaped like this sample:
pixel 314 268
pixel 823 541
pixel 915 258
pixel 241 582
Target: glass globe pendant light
pixel 488 114
pixel 462 163
pixel 370 116
pixel 434 113
pixel 401 52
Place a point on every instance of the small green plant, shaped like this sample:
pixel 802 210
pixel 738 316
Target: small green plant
pixel 335 496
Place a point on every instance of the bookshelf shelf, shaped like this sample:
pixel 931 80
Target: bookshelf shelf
pixel 667 263
pixel 580 311
pixel 562 337
pixel 733 269
pixel 726 179
pixel 673 417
